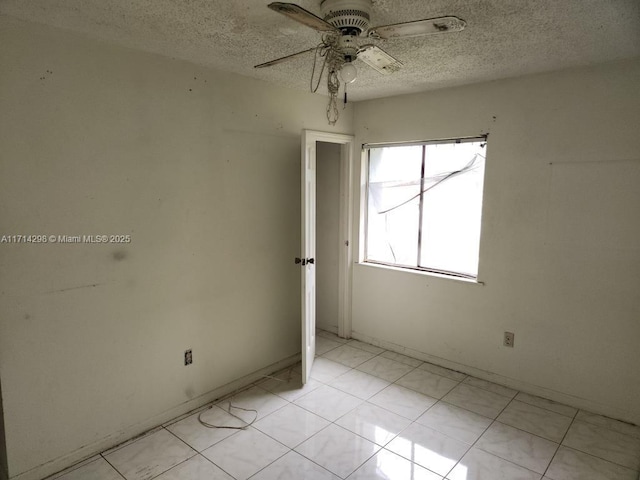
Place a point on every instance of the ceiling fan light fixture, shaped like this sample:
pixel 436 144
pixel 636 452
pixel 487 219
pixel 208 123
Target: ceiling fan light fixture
pixel 348 72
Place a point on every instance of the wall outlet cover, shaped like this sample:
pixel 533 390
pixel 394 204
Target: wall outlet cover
pixel 509 339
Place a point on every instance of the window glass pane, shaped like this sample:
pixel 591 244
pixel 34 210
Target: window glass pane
pixel 393 204
pixel 454 174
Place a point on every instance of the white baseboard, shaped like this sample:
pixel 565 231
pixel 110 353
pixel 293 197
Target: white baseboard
pixel 556 396
pixel 115 439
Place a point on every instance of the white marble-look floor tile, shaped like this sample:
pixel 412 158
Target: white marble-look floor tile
pixel 97 469
pixel 291 425
pixel 196 468
pixel 569 464
pixel 522 448
pixel 359 384
pixel 366 347
pixel 455 422
pixel 150 456
pixel 328 402
pixel 428 448
pixel 536 420
pixel 294 466
pixel 403 401
pixel 386 465
pixel 398 357
pixel 245 453
pixel 373 423
pixel 385 368
pixel 479 465
pixel 604 443
pixel 338 450
pixel 254 398
pixel 325 370
pixel 288 385
pixel 478 400
pixel 198 436
pixel 546 404
pixel 324 345
pixel 428 383
pixel 445 372
pixel 331 336
pixel 349 356
pixel 492 387
pixel 610 423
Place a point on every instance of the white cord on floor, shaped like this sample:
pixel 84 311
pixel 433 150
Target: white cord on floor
pixel 210 425
pixel 231 405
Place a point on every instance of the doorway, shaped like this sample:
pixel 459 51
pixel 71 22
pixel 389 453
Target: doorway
pixel 328 243
pixel 310 146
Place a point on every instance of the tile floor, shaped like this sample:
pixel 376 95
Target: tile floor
pixel 374 414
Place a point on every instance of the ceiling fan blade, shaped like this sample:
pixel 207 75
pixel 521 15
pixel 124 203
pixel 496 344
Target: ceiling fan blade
pixel 378 59
pixel 303 16
pixel 284 59
pixel 419 27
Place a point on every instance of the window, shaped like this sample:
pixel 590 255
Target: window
pixel 424 204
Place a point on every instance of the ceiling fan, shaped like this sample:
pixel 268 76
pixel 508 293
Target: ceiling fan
pixel 347 36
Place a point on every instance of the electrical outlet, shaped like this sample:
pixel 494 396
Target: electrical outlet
pixel 508 339
pixel 188 357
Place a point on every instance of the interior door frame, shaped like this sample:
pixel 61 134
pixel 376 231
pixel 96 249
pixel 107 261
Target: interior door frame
pixel 345 261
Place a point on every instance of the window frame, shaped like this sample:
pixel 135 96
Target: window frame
pixel 366 155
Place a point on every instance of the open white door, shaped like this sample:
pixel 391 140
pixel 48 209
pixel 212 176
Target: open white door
pixel 308 253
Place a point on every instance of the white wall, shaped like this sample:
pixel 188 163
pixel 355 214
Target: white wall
pixel 327 234
pixel 559 255
pixel 202 169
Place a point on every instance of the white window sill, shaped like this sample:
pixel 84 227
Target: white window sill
pixel 423 273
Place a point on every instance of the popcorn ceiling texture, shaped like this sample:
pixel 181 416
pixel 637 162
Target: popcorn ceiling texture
pixel 503 38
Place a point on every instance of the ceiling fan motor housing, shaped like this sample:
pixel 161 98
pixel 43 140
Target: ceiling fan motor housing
pixel 351 17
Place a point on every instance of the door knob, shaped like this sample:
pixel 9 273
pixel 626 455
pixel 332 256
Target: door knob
pixel 311 260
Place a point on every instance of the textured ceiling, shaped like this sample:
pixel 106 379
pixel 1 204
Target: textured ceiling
pixel 503 38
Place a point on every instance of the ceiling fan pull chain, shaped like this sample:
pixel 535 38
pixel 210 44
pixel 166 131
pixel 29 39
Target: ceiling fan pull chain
pixel 332 109
pixel 333 85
